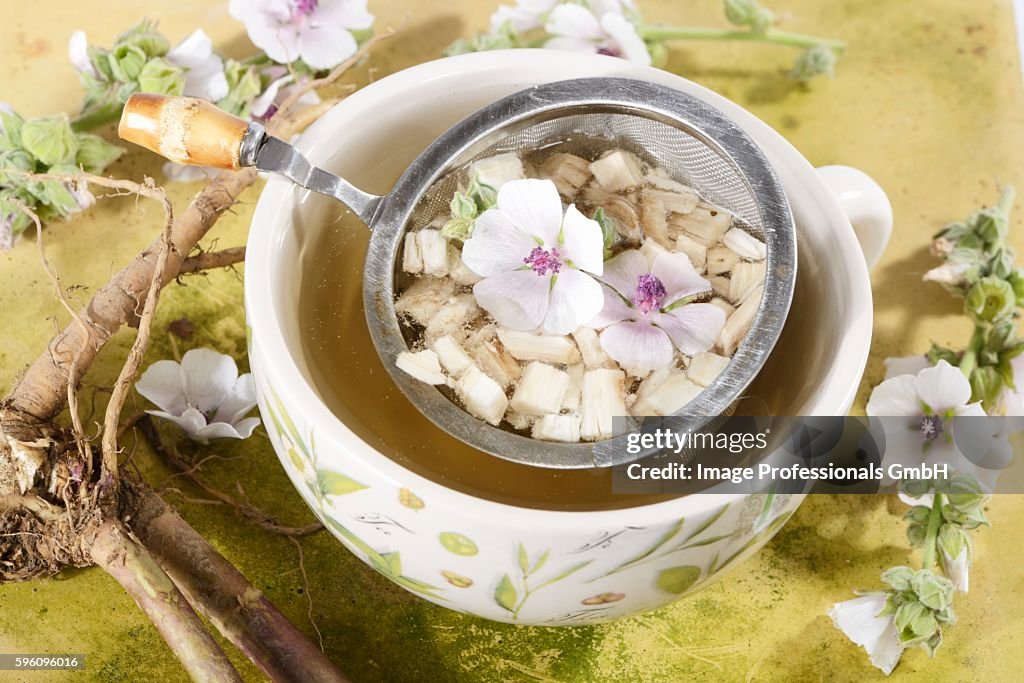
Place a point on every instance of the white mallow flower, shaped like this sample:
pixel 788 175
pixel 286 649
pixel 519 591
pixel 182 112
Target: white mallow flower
pixel 282 85
pixel 602 29
pixel 203 395
pixel 78 53
pixel 534 261
pixel 204 69
pixel 949 273
pixel 319 32
pixel 956 569
pixel 858 619
pixel 525 15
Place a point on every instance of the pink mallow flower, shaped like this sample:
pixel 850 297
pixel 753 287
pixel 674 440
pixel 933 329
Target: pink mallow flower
pixel 534 261
pixel 648 310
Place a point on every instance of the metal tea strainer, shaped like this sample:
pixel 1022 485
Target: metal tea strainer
pixel 694 141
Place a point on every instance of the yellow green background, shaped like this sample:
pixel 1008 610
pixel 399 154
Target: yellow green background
pixel 928 100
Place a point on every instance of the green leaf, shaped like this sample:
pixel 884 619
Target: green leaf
pixel 126 62
pixel 336 484
pixel 417 586
pixel 678 580
pixel 394 563
pixel 565 573
pixel 146 38
pixel 524 559
pixel 95 154
pixel 485 196
pixel 541 561
pixel 505 594
pixel 608 231
pixel 458 228
pixel 50 139
pixel 244 85
pixel 10 130
pixel 463 207
pixel 918 513
pixel 915 622
pixel 161 77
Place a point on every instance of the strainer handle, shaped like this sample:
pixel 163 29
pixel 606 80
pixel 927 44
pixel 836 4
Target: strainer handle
pixel 866 206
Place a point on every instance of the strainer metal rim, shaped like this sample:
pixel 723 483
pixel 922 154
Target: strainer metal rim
pixel 585 95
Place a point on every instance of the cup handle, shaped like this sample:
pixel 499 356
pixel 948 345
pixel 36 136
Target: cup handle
pixel 865 204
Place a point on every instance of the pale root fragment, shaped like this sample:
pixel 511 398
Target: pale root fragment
pixel 745 244
pixel 617 171
pixel 705 224
pixel 458 270
pixel 482 396
pixel 542 347
pixel 655 219
pixel 452 356
pixel 474 337
pixel 568 172
pixel 667 397
pixel 433 252
pixel 500 366
pixel 726 307
pixel 651 250
pixel 589 345
pixel 452 317
pixel 746 276
pixel 721 260
pixel 696 251
pixel 498 170
pixel 540 390
pixel 621 209
pixel 684 201
pixel 720 285
pixel 663 182
pixel 564 428
pixel 738 324
pixel 604 393
pixel 705 367
pixel 424 298
pixel 412 261
pixel 574 392
pixel 422 365
pixel 520 421
pixel 654 380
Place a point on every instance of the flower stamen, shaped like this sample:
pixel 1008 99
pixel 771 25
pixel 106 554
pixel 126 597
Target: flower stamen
pixel 650 292
pixel 304 8
pixel 930 427
pixel 544 261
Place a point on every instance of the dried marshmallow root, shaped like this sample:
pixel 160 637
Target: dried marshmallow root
pixel 433 252
pixel 422 365
pixel 604 392
pixel 452 356
pixel 663 182
pixel 482 396
pixel 617 171
pixel 540 390
pixel 568 172
pixel 542 347
pixel 738 324
pixel 574 392
pixel 726 307
pixel 705 367
pixel 519 420
pixel 590 347
pixel 498 170
pixel 424 298
pixel 564 428
pixel 721 260
pixel 697 252
pixel 458 270
pixel 745 277
pixel 500 366
pixel 655 219
pixel 720 285
pixel 621 209
pixel 705 225
pixel 412 261
pixel 667 397
pixel 653 381
pixel 676 202
pixel 745 244
pixel 450 318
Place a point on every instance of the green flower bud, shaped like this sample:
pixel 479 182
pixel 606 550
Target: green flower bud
pixel 990 299
pixel 918 513
pixel 990 225
pixel 915 488
pixel 10 130
pixel 986 385
pixel 161 77
pixel 458 228
pixel 916 535
pixel 937 353
pixel 243 87
pixel 126 62
pixel 1001 265
pixel 934 591
pixel 50 139
pixel 100 60
pixel 749 13
pixel 463 207
pixel 816 61
pixel 17 160
pixel 952 540
pixel 95 153
pixel 146 38
pixel 483 194
pixel 898 578
pixel 915 622
pixel 1016 280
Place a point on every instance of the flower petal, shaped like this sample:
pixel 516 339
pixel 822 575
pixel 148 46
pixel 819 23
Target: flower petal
pixel 518 299
pixel 208 377
pixel 163 384
pixel 191 421
pixel 351 14
pixel 624 33
pixel 614 310
pixel 895 396
pixel 534 207
pixel 325 47
pixel 224 430
pixel 239 401
pixel 497 246
pixel 78 53
pixel 676 272
pixel 638 347
pixel 279 40
pixel 582 241
pixel 262 103
pixel 693 328
pixel 943 387
pixel 857 619
pixel 575 299
pixel 193 51
pixel 571 45
pixel 622 271
pixel 905 365
pixel 574 21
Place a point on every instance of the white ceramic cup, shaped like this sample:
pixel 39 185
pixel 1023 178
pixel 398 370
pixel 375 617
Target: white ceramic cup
pixel 494 560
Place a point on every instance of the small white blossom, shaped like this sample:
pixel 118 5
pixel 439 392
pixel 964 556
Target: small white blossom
pixel 78 53
pixel 949 273
pixel 203 395
pixel 204 69
pixel 858 619
pixel 956 569
pixel 525 15
pixel 601 28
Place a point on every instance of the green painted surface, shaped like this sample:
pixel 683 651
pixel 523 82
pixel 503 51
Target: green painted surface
pixel 928 101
